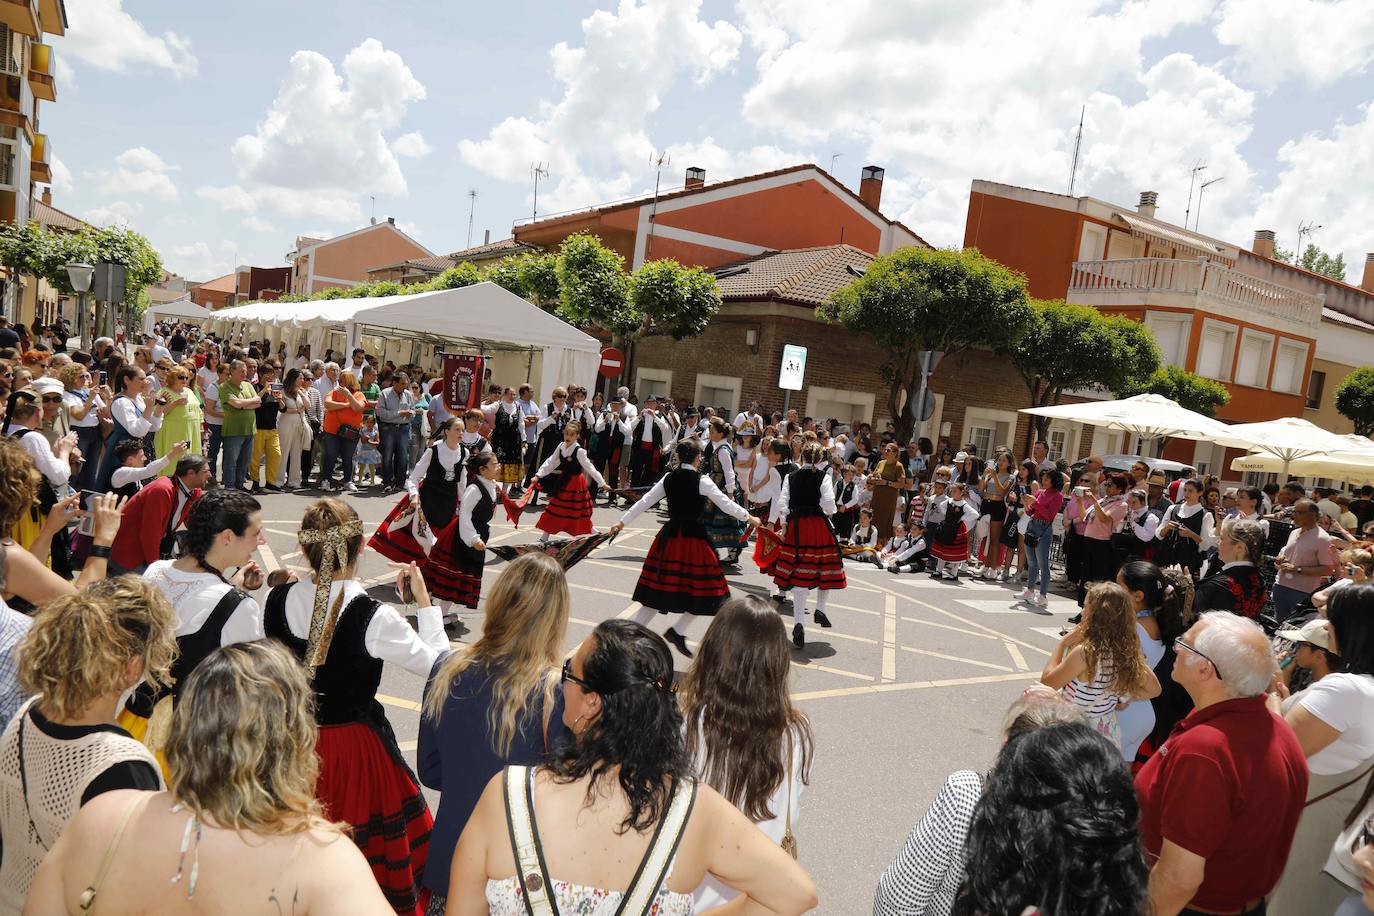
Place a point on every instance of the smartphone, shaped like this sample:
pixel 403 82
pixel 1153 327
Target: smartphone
pixel 1080 491
pixel 277 387
pixel 100 377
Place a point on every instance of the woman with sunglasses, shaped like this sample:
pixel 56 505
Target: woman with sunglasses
pixel 620 786
pixel 887 480
pixel 1334 722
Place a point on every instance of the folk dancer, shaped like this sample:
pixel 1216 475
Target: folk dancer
pixel 564 475
pixel 722 530
pixel 507 438
pixel 455 563
pixel 809 558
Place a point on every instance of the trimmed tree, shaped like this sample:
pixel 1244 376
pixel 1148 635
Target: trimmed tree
pixel 530 276
pixel 456 277
pixel 1187 389
pixel 1355 399
pixel 672 299
pixel 1076 346
pixel 593 288
pixel 918 299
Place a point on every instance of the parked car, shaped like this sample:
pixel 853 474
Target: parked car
pixel 1172 470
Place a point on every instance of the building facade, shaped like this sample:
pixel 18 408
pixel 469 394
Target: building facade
pixel 418 270
pixel 344 261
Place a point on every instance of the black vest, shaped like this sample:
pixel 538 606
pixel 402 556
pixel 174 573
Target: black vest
pixel 346 683
pixel 505 436
pixel 194 647
pixel 685 502
pixel 804 492
pixel 656 434
pixel 438 494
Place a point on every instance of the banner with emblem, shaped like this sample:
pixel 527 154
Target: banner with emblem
pixel 462 381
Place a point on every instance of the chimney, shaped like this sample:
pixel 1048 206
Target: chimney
pixel 373 222
pixel 47 196
pixel 871 186
pixel 1367 284
pixel 486 237
pixel 1146 207
pixel 696 178
pixel 1264 243
pixel 391 220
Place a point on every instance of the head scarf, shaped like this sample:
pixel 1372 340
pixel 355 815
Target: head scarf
pixel 335 557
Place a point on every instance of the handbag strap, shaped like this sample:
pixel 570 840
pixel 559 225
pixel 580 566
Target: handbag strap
pixel 530 868
pixel 1345 785
pixel 653 868
pixel 788 816
pixel 87 898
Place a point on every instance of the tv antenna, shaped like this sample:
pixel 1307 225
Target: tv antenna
pixel 472 210
pixel 538 170
pixel 1200 191
pixel 1305 230
pixel 1201 166
pixel 1077 145
pixel 833 157
pixel 658 161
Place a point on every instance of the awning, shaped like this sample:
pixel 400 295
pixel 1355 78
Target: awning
pixel 1181 241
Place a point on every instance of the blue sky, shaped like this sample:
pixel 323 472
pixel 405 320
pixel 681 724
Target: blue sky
pixel 222 131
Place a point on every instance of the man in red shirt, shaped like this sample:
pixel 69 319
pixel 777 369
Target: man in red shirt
pixel 154 513
pixel 1220 799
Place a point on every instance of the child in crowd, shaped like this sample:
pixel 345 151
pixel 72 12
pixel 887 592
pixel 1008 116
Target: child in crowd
pixel 368 455
pixel 913 554
pixel 847 497
pixel 895 545
pixel 863 539
pixel 950 541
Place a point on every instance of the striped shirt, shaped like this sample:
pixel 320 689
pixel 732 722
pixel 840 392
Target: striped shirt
pixel 925 878
pixel 1096 697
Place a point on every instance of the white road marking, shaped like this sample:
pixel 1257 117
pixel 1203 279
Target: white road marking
pixel 956 658
pixel 1017 658
pixel 913 685
pixel 889 638
pixel 1008 605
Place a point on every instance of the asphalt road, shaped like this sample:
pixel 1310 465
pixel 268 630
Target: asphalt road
pixel 910 684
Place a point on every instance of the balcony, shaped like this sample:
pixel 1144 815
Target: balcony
pixel 21 16
pixel 40 73
pixel 41 166
pixel 1199 284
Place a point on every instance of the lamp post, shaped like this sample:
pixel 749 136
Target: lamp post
pixel 80 276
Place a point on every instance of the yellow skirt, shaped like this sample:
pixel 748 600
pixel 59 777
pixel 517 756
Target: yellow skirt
pixel 151 733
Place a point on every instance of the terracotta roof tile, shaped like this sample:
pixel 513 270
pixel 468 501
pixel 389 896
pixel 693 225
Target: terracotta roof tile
pixel 803 276
pixel 53 218
pixel 491 249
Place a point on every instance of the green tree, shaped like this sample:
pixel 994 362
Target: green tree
pixel 1315 260
pixel 1076 346
pixel 1191 391
pixel 388 288
pixel 456 277
pixel 1355 399
pixel 673 299
pixel 918 299
pixel 593 288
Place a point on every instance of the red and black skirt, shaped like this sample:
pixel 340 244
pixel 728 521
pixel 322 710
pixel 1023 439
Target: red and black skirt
pixel 394 537
pixel 809 556
pixel 681 574
pixel 453 571
pixel 955 552
pixel 570 510
pixel 364 784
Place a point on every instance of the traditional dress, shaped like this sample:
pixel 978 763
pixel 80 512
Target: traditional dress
pixel 506 441
pixel 647 437
pixel 949 540
pixel 364 780
pixel 682 572
pixel 810 554
pixel 434 485
pixel 564 476
pixel 723 531
pixel 1237 587
pixel 453 571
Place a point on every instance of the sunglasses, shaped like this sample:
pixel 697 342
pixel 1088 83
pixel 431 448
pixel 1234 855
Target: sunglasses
pixel 52 399
pixel 569 676
pixel 1180 644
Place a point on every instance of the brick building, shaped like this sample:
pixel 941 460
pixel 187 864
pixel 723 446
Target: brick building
pixel 344 261
pixel 417 270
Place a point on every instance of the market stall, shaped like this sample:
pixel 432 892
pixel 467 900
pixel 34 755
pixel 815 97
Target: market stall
pixel 177 310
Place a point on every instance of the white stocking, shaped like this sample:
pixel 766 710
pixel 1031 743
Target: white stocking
pixel 799 605
pixel 822 596
pixel 682 623
pixel 645 615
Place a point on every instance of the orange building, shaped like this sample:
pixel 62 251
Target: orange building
pixel 345 260
pixel 1227 313
pixel 713 224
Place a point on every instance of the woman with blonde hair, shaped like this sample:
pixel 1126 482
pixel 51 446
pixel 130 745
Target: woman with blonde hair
pixel 239 826
pixel 345 637
pixel 182 421
pixel 493 703
pixel 1099 663
pixel 83 654
pixel 747 740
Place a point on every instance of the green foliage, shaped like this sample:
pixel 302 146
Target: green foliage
pixel 388 288
pixel 594 289
pixel 506 274
pixel 45 253
pixel 539 279
pixel 918 299
pixel 1355 399
pixel 361 291
pixel 456 277
pixel 1191 391
pixel 677 300
pixel 332 292
pixel 1076 346
pixel 1315 260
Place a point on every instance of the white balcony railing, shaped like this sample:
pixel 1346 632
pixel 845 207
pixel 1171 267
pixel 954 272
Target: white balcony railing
pixel 1197 278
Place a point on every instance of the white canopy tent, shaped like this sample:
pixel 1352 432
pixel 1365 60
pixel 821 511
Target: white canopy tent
pixel 479 318
pixel 1283 442
pixel 177 308
pixel 1355 464
pixel 1146 416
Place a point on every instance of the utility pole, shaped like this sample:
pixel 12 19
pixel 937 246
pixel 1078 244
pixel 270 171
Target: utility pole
pixel 538 170
pixel 1191 180
pixel 374 208
pixel 1077 145
pixel 472 210
pixel 1200 191
pixel 658 160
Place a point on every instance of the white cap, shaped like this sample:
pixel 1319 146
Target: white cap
pixel 1314 632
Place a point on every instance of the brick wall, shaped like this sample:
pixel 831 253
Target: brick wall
pixel 836 358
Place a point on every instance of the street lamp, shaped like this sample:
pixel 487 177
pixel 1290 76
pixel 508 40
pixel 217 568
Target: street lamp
pixel 80 276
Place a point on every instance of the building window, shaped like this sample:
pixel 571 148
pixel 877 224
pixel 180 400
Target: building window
pixel 1058 441
pixel 986 429
pixel 1316 387
pixel 981 437
pixel 1216 350
pixel 852 407
pixel 719 391
pixel 1289 363
pixel 1252 363
pixel 653 383
pixel 1171 333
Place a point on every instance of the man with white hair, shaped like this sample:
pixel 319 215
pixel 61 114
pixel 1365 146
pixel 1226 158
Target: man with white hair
pixel 1221 798
pixel 328 381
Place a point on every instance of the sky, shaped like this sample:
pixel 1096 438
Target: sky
pixel 224 130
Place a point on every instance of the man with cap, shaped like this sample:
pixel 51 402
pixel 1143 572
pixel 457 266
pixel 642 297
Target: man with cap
pixel 1312 645
pixel 1158 502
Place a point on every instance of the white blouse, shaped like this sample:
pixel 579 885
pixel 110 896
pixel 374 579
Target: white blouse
pixel 471 497
pixel 193 595
pixel 126 413
pixel 389 637
pixel 1179 511
pixel 564 451
pixel 56 471
pixel 706 487
pixel 780 506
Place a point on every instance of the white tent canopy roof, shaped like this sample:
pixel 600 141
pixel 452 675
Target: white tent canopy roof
pixel 177 308
pixel 1287 439
pixel 1149 416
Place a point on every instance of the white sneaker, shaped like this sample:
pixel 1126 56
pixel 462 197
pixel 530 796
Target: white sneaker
pixel 350 488
pixel 1024 595
pixel 1041 600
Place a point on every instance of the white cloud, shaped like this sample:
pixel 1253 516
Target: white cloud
pixel 103 35
pixel 1319 41
pixel 595 138
pixel 140 173
pixel 115 213
pixel 258 224
pixel 412 145
pixel 61 177
pixel 199 260
pixel 62 70
pixel 324 132
pixel 232 198
pixel 1325 178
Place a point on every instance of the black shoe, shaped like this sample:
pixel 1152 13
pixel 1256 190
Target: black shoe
pixel 821 619
pixel 273 488
pixel 1076 618
pixel 798 636
pixel 732 558
pixel 936 574
pixel 677 641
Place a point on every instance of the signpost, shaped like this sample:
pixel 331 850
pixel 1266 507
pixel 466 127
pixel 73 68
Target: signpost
pixel 923 405
pixel 612 361
pixel 792 373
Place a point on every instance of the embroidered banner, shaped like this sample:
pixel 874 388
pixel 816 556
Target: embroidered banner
pixel 462 381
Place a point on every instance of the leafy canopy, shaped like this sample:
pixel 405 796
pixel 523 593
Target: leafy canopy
pixel 1355 399
pixel 1076 346
pixel 676 300
pixel 1187 389
pixel 593 286
pixel 1315 260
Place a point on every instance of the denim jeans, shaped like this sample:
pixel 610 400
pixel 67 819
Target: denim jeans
pixel 395 453
pixel 1286 601
pixel 213 447
pixel 1038 562
pixel 88 440
pixel 337 450
pixel 236 452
